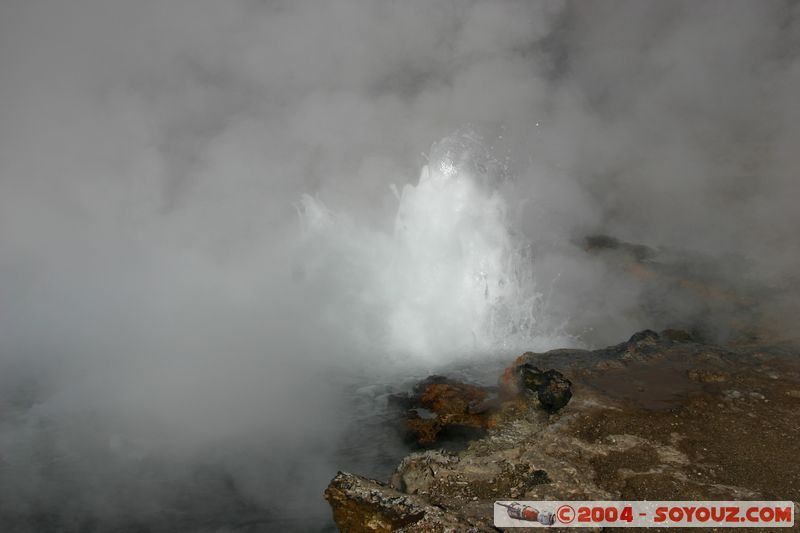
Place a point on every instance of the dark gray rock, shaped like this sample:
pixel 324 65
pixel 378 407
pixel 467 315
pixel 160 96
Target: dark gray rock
pixel 553 390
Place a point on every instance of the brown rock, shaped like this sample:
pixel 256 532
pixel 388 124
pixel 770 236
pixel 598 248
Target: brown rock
pixel 451 398
pixel 362 505
pixel 444 403
pixel 553 390
pixel 707 376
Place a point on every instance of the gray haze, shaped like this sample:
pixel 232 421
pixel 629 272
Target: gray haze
pixel 153 316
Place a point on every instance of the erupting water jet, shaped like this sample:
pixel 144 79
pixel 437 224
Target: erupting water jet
pixel 451 280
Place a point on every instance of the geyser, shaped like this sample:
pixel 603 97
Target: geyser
pixel 450 280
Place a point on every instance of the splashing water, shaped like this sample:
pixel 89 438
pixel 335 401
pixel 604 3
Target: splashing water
pixel 452 280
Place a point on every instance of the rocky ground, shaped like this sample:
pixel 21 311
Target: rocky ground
pixel 662 416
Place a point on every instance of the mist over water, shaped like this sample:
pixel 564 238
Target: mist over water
pixel 229 229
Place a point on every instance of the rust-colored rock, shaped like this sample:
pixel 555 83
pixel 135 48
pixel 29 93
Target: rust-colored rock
pixel 452 398
pixel 424 430
pixel 450 404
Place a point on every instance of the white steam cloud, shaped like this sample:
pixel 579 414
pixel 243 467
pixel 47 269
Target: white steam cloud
pixel 450 281
pixel 168 328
